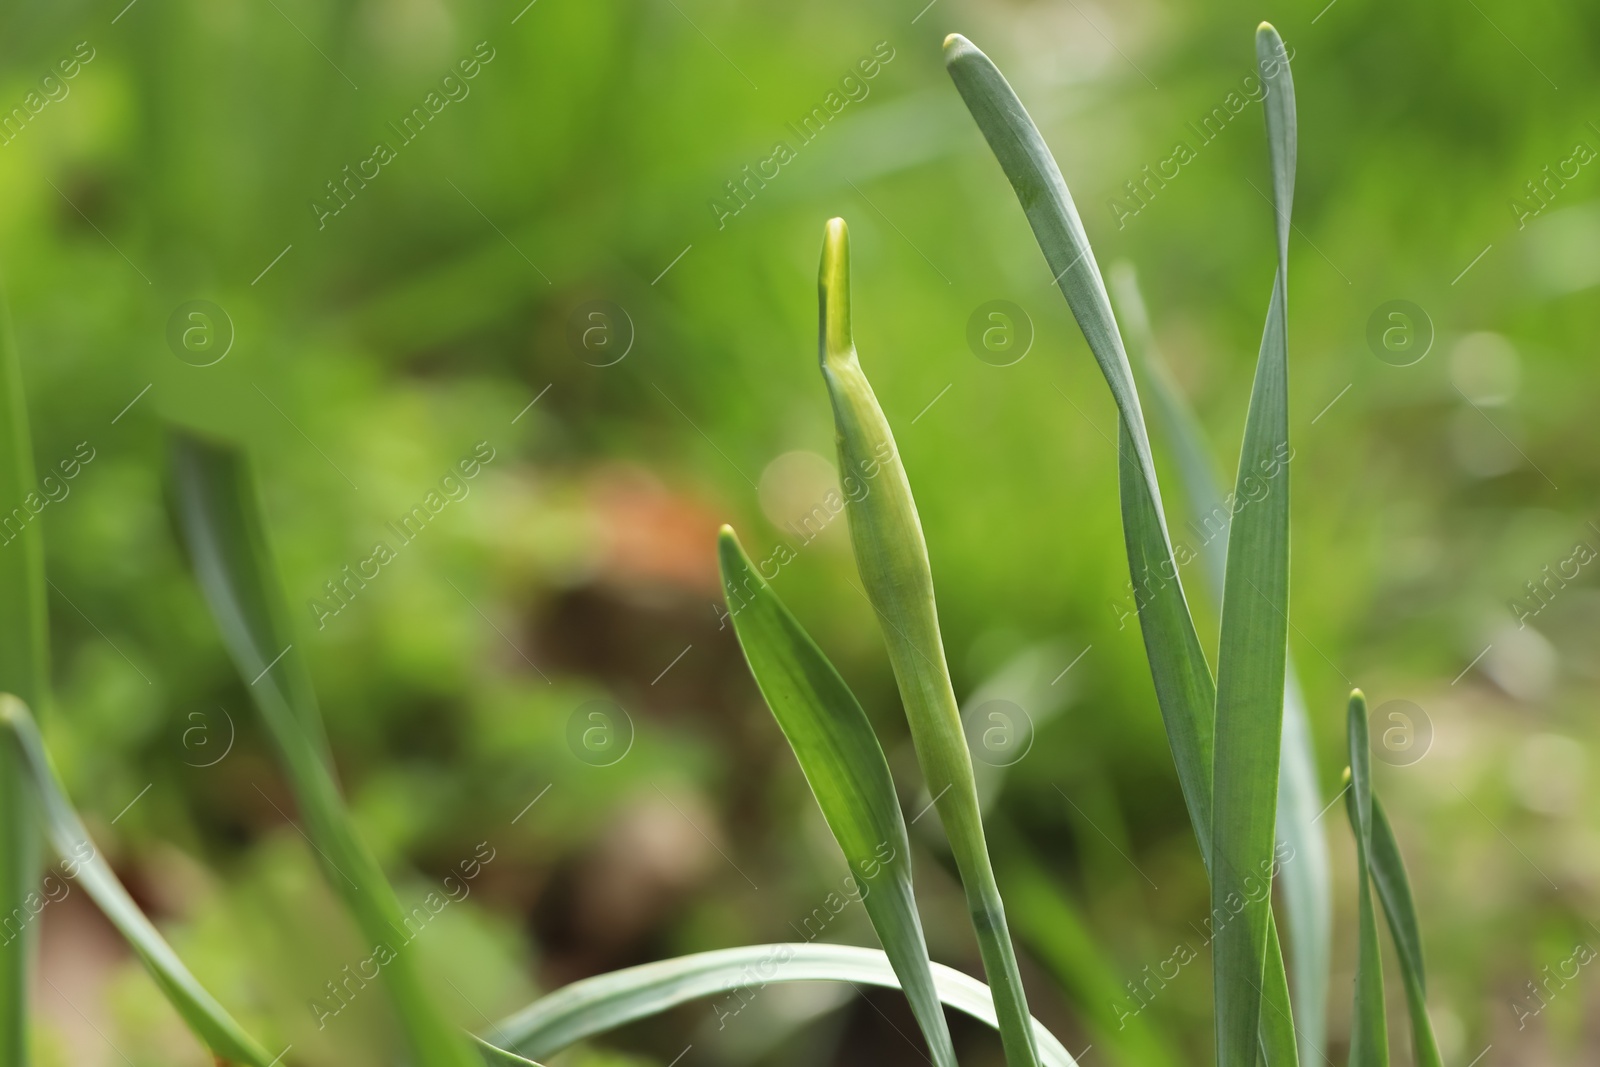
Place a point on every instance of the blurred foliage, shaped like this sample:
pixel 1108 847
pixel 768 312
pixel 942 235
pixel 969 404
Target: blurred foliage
pixel 372 353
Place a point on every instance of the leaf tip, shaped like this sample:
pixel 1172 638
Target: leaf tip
pixel 833 292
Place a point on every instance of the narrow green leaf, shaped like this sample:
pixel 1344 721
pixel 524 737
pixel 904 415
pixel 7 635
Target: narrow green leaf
pixel 494 1056
pixel 892 558
pixel 24 670
pixel 1252 650
pixel 82 863
pixel 1394 890
pixel 605 1002
pixel 1182 679
pixel 1177 665
pixel 848 773
pixel 220 516
pixel 1059 936
pixel 1369 1031
pixel 1305 878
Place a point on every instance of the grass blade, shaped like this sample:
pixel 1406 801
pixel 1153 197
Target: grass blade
pixel 605 1002
pixel 1182 679
pixel 220 517
pixel 892 558
pixel 1252 650
pixel 847 771
pixel 1305 880
pixel 1369 1033
pixel 24 670
pixel 1394 890
pixel 82 863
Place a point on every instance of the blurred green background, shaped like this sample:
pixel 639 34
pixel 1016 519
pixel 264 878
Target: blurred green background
pixel 361 354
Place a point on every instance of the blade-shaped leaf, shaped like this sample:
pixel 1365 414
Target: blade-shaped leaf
pixel 892 558
pixel 849 776
pixel 1253 647
pixel 81 862
pixel 24 638
pixel 220 516
pixel 1182 679
pixel 1394 890
pixel 605 1002
pixel 1177 665
pixel 1304 880
pixel 1369 1032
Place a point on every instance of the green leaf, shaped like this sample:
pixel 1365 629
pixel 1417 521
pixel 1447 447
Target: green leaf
pixel 1177 664
pixel 605 1002
pixel 848 773
pixel 220 516
pixel 1305 878
pixel 892 558
pixel 1394 890
pixel 1252 650
pixel 81 862
pixel 1369 1033
pixel 1059 936
pixel 24 670
pixel 1182 679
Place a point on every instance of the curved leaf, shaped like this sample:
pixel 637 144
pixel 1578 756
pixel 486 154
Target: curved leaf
pixel 221 521
pixel 1177 665
pixel 605 1002
pixel 844 764
pixel 82 862
pixel 892 558
pixel 1394 890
